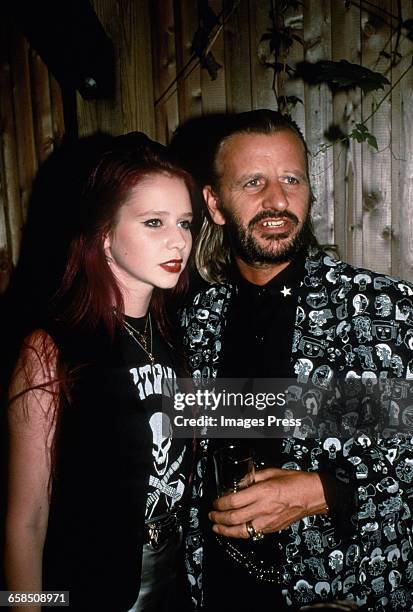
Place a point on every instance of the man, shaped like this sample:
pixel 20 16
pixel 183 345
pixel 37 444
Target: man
pixel 279 307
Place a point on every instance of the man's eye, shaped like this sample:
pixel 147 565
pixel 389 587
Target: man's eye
pixel 186 225
pixel 253 183
pixel 290 180
pixel 153 223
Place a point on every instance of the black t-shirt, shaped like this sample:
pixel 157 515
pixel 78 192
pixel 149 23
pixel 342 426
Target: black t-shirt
pixel 154 387
pixel 111 471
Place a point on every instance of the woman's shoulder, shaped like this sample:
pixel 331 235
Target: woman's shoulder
pixel 38 356
pixel 79 344
pixel 39 340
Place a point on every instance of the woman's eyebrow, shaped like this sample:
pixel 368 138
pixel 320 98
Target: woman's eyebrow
pixel 162 213
pixel 153 212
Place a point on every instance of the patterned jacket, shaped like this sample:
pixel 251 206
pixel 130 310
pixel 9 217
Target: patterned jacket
pixel 356 325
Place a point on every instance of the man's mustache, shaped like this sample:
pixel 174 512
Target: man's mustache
pixel 272 214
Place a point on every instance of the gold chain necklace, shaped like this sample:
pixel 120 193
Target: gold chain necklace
pixel 142 339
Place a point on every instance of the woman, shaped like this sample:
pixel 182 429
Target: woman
pixel 96 480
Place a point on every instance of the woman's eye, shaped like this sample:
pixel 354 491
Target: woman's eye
pixel 153 223
pixel 253 183
pixel 186 225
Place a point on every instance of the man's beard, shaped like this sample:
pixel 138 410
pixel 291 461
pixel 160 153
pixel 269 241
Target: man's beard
pixel 281 247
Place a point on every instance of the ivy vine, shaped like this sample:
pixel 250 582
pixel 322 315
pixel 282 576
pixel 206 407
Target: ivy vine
pixel 279 38
pixel 339 75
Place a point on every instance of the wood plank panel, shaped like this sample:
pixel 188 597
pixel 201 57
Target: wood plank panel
pixel 213 91
pixel 347 161
pixel 261 76
pixel 10 204
pixel 5 255
pixel 164 69
pixel 127 23
pixel 189 83
pixel 12 216
pixel 318 116
pixel 294 19
pixel 104 115
pixel 137 98
pixel 396 162
pixel 402 159
pixel 7 127
pixel 22 99
pixel 56 102
pixel 237 60
pixel 376 164
pixel 42 110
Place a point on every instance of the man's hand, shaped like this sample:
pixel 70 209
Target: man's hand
pixel 276 499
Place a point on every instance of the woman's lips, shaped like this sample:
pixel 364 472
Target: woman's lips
pixel 173 266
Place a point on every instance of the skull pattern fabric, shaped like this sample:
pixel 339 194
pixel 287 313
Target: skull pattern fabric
pixel 357 326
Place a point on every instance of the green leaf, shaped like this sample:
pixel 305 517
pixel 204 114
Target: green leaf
pixel 341 75
pixel 293 100
pixel 335 133
pixel 372 140
pixel 294 4
pixel 275 44
pixel 211 65
pixel 298 39
pixel 360 133
pixel 279 67
pixel 407 28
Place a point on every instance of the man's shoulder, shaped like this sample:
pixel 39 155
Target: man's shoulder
pixel 208 294
pixel 364 279
pixel 369 281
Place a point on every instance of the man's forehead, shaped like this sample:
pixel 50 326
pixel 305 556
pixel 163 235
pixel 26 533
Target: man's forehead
pixel 242 146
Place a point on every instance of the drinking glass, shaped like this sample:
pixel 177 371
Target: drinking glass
pixel 234 468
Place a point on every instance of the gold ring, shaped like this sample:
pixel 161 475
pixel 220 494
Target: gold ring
pixel 252 533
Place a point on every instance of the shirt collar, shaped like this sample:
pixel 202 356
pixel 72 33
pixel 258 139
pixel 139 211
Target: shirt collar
pixel 285 283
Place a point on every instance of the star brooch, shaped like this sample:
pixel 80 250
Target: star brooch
pixel 286 291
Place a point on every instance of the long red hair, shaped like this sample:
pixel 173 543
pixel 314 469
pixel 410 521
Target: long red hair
pixel 89 291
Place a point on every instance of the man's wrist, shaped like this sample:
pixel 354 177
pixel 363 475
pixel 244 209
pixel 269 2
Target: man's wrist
pixel 316 501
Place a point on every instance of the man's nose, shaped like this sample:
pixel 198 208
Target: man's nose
pixel 275 197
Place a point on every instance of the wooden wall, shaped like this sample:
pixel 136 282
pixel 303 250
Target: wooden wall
pixel 32 126
pixel 128 24
pixel 364 197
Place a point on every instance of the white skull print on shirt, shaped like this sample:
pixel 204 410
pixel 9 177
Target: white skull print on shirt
pixel 167 476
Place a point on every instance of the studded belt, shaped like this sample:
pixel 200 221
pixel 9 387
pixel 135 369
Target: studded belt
pixel 162 527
